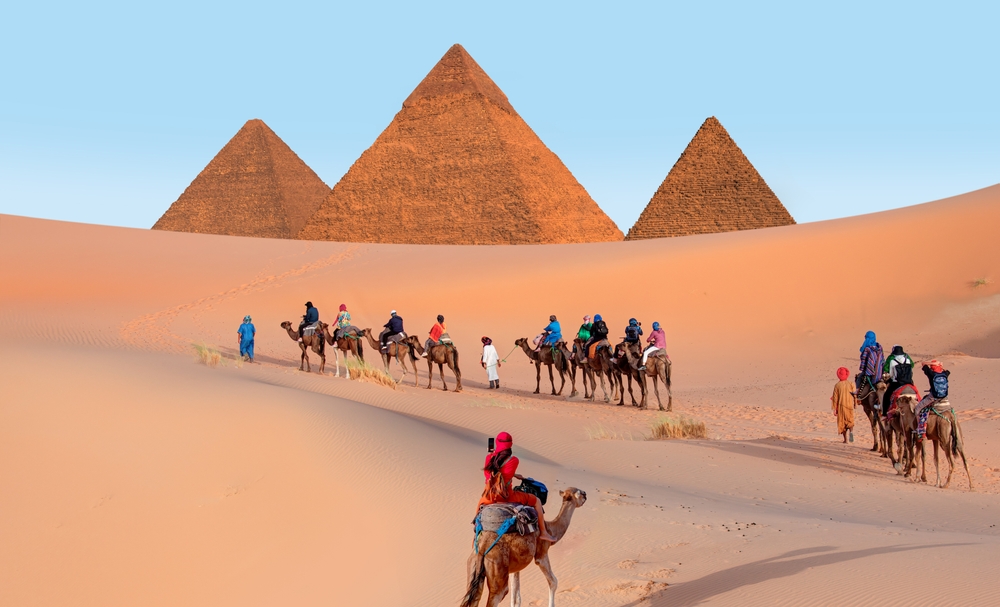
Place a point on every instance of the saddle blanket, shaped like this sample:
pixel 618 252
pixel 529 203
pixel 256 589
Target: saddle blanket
pixel 398 337
pixel 493 516
pixel 310 329
pixel 592 352
pixel 907 390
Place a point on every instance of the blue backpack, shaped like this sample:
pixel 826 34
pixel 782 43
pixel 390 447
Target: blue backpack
pixel 939 385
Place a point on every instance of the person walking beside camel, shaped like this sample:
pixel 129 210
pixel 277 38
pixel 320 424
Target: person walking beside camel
pixel 246 334
pixel 500 470
pixel 843 401
pixel 491 362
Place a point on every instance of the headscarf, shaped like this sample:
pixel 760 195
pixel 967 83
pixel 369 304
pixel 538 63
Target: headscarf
pixel 487 341
pixel 869 341
pixel 656 326
pixel 504 441
pixel 586 318
pixel 343 307
pixel 843 373
pixel 309 304
pixel 633 322
pixel 935 366
pixel 246 319
pixel 393 313
pixel 597 318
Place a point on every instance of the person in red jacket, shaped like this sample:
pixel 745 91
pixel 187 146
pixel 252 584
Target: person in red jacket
pixel 434 337
pixel 500 470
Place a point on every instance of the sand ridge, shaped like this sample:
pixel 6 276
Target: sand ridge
pixel 131 473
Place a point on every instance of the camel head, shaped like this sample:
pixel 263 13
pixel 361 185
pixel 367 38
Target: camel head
pixel 908 403
pixel 577 496
pixel 521 342
pixel 286 325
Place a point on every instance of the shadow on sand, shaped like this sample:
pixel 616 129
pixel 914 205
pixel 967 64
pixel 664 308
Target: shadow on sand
pixel 783 565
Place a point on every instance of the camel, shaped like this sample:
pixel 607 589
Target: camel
pixel 868 397
pixel 514 553
pixel 548 356
pixel 316 341
pixel 622 368
pixel 579 363
pixel 441 355
pixel 657 367
pixel 901 426
pixel 347 343
pixel 397 351
pixel 600 365
pixel 943 428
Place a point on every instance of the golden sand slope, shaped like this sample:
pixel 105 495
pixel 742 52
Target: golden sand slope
pixel 129 473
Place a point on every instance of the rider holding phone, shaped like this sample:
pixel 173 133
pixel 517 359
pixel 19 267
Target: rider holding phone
pixel 500 469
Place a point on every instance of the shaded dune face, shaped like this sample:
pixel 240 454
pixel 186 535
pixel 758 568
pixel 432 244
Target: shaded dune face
pixel 255 186
pixel 711 188
pixel 458 165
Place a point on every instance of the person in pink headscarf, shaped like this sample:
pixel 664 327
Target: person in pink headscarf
pixel 843 402
pixel 500 470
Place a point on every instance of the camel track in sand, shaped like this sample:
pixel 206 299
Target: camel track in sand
pixel 152 331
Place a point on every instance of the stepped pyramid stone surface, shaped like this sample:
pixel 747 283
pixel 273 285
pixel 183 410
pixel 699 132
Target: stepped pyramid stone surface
pixel 711 188
pixel 458 165
pixel 255 186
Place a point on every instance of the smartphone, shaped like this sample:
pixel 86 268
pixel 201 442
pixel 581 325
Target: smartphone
pixel 491 444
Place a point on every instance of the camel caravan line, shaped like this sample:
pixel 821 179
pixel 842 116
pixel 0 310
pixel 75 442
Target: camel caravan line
pixel 896 437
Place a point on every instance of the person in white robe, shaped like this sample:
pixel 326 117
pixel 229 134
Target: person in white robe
pixel 491 362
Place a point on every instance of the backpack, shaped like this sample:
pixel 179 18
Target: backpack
pixel 530 485
pixel 939 385
pixel 904 372
pixel 632 333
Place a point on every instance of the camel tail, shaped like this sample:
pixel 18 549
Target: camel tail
pixel 455 352
pixel 476 581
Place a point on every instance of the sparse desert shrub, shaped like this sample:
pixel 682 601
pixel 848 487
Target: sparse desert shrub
pixel 677 425
pixel 207 355
pixel 980 282
pixel 361 370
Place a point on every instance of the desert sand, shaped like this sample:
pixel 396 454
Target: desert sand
pixel 130 473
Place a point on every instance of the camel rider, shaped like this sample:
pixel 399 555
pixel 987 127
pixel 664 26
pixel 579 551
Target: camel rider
pixel 633 331
pixel 899 368
pixel 598 333
pixel 392 328
pixel 937 376
pixel 434 338
pixel 657 340
pixel 872 361
pixel 552 333
pixel 343 322
pixel 311 317
pixel 500 470
pixel 584 333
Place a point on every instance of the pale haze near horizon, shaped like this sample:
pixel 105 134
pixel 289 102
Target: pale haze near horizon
pixel 110 110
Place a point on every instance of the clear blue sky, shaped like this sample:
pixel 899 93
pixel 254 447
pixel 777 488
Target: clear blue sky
pixel 108 111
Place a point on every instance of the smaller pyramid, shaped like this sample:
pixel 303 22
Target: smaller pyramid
pixel 255 186
pixel 711 188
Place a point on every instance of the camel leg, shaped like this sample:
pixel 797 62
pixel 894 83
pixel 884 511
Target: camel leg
pixel 444 384
pixel 937 467
pixel 923 460
pixel 458 376
pixel 546 567
pixel 874 422
pixel 604 389
pixel 430 371
pixel 562 379
pixel 951 461
pixel 552 380
pixel 656 389
pixel 515 589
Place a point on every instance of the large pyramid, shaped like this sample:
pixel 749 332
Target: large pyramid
pixel 712 188
pixel 458 165
pixel 255 186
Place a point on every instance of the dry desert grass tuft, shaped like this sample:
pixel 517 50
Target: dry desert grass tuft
pixel 677 426
pixel 363 371
pixel 980 282
pixel 601 432
pixel 207 355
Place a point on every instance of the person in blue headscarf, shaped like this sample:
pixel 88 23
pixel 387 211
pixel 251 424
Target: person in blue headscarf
pixel 246 334
pixel 872 361
pixel 598 333
pixel 552 333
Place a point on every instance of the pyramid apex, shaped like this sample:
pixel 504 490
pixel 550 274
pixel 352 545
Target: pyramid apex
pixel 457 73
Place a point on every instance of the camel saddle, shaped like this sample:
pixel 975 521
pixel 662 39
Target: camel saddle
pixel 506 518
pixel 310 329
pixel 594 347
pixel 908 389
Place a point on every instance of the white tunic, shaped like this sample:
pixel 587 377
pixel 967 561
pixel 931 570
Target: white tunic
pixel 491 359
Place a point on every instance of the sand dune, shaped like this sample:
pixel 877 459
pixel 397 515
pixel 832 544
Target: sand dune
pixel 130 473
